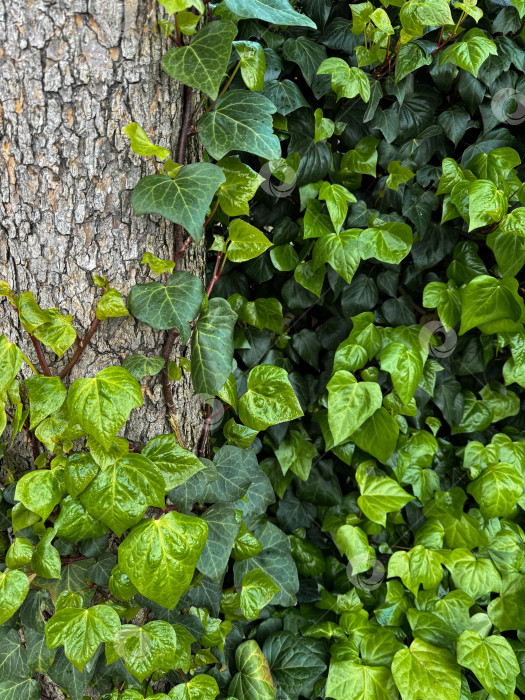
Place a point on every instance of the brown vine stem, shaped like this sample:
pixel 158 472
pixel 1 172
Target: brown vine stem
pixel 180 248
pixel 166 384
pixel 40 354
pixel 82 345
pixel 202 448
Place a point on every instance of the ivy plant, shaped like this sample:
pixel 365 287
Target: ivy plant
pixel 352 524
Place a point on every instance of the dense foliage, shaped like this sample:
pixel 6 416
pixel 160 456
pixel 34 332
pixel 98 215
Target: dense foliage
pixel 352 526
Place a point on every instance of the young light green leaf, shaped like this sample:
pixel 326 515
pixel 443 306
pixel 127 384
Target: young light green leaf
pixel 46 395
pixel 379 495
pixel 492 660
pixel 240 186
pixel 253 63
pixel 469 52
pixel 160 556
pixel 200 687
pixel 350 403
pixel 388 241
pixel 258 589
pixel 14 587
pixel 346 81
pixel 102 405
pixel 141 144
pixel 81 631
pixel 269 398
pixel 120 495
pixel 426 671
pixel 40 491
pixel 111 306
pixel 10 362
pixel 247 242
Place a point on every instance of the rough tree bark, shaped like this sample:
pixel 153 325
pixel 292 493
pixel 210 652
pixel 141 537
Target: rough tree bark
pixel 73 74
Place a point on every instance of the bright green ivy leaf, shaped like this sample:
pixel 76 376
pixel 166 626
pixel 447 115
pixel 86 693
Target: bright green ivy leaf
pixel 81 631
pixel 247 242
pixel 469 52
pixel 239 187
pixel 46 395
pixel 492 660
pixel 426 671
pixel 160 556
pixel 350 403
pixel 379 495
pixel 253 63
pixel 141 144
pixel 346 81
pixel 269 398
pixel 273 11
pixel 102 405
pixel 14 587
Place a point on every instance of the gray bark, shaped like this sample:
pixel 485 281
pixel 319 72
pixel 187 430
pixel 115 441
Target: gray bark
pixel 73 73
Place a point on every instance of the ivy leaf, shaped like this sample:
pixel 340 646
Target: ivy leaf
pixel 397 175
pixel 175 463
pixel 415 15
pixel 379 495
pixel 102 405
pixel 473 575
pixel 173 305
pixel 239 187
pixel 253 63
pixel 349 680
pixel 19 554
pixel 247 242
pixel 45 561
pixel 253 680
pixel 240 121
pixel 447 299
pixel 350 403
pixel 141 144
pixel 14 587
pixel 490 304
pixel 183 199
pixel 49 326
pixel 388 241
pixel 273 11
pixel 258 589
pixel 202 64
pixel 410 58
pixel 146 649
pixel 469 52
pixel 200 687
pixel 497 489
pixel 223 527
pixel 40 491
pixel 285 96
pixel 341 251
pixel 10 362
pixel 120 495
pixel 20 689
pixel 157 265
pixel 426 671
pixel 405 366
pixel 346 81
pixel 160 556
pixel 74 523
pixel 269 398
pixel 492 660
pixel 378 435
pixel 307 54
pixel 140 366
pixel 81 631
pixel 212 347
pixel 336 197
pixel 46 395
pixel 111 306
pixel 235 469
pixel 324 128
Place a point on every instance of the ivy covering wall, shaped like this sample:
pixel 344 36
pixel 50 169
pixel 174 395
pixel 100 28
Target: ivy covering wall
pixel 351 527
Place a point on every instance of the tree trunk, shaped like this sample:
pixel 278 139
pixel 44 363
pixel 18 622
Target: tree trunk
pixel 73 74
